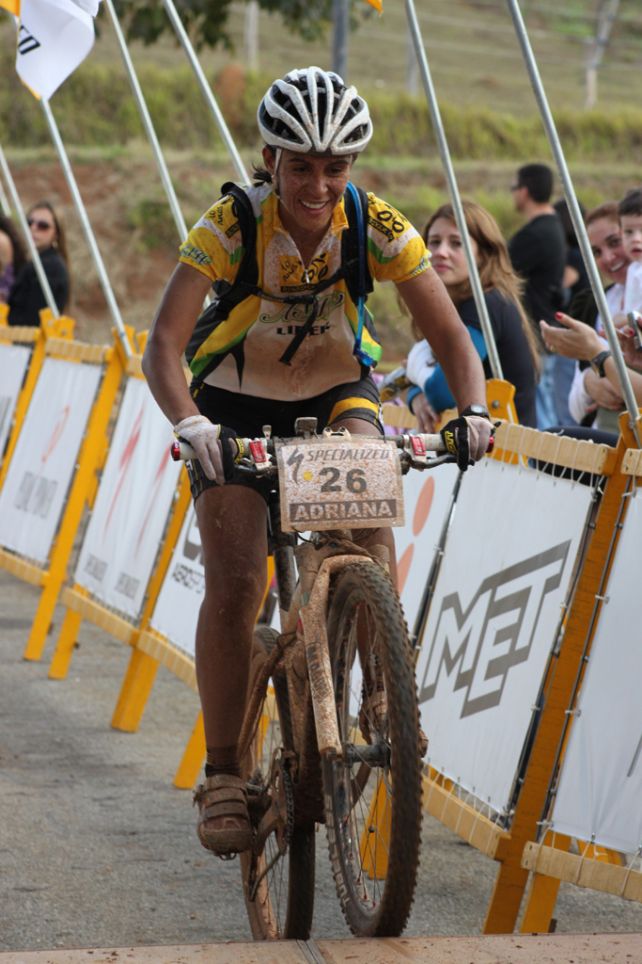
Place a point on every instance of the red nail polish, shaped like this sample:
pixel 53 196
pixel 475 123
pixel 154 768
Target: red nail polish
pixel 558 315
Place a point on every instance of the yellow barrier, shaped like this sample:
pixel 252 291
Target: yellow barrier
pixel 142 669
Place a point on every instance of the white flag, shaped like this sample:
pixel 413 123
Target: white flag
pixel 54 37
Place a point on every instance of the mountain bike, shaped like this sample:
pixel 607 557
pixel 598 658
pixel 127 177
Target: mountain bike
pixel 331 731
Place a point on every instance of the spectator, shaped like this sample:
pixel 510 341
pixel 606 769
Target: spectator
pixel 594 400
pixel 12 256
pixel 27 298
pixel 574 281
pixel 630 214
pixel 538 254
pixel 514 338
pixel 575 277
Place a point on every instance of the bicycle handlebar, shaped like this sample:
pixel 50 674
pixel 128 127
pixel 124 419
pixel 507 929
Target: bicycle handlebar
pixel 259 451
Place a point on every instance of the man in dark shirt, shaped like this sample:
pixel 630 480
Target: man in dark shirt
pixel 538 254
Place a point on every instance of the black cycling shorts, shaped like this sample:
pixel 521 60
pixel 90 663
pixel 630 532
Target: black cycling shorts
pixel 247 415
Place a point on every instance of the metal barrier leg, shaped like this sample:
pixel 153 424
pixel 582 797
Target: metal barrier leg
pixel 65 645
pixel 193 757
pixel 134 692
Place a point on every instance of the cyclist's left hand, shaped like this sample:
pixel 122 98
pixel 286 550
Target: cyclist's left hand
pixel 479 434
pixel 467 438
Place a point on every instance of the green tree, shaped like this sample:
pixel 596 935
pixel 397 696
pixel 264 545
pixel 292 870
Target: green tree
pixel 206 20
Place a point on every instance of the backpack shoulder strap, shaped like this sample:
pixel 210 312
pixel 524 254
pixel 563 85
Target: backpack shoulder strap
pixel 355 243
pixel 248 272
pixel 228 296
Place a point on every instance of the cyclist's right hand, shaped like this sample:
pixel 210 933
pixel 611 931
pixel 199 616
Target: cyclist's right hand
pixel 203 436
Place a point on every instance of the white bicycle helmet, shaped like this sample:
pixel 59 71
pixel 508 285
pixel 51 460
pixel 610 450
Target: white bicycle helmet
pixel 312 110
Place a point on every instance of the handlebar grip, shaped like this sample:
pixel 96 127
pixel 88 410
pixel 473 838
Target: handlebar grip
pixel 180 451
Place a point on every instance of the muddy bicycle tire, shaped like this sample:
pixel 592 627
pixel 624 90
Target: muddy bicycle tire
pixel 373 809
pixel 283 905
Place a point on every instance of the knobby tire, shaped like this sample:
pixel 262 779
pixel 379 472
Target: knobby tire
pixel 375 877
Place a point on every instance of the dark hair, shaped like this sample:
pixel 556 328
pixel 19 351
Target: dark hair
pixel 19 252
pixel 60 241
pixel 631 203
pixel 564 215
pixel 607 210
pixel 538 181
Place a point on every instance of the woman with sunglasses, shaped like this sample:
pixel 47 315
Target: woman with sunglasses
pixel 27 298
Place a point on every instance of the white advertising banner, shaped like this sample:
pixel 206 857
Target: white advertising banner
pixel 132 505
pixel 13 365
pixel 427 498
pixel 177 607
pixel 35 489
pixel 600 789
pixel 493 619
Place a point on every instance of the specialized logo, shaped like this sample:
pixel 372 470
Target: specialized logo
pixel 476 647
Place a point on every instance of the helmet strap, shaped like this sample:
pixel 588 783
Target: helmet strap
pixel 278 153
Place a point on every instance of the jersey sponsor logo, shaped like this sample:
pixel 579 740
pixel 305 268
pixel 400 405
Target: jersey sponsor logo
pixel 388 222
pixel 197 255
pixel 297 314
pixel 475 647
pixel 292 270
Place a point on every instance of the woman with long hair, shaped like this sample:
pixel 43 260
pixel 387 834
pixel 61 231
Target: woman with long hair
pixel 27 298
pixel 502 289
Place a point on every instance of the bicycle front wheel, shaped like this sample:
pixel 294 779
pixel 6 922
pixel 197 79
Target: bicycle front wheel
pixel 373 793
pixel 278 875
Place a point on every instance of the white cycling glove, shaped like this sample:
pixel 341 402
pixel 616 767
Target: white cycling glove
pixel 203 436
pixel 479 433
pixel 420 363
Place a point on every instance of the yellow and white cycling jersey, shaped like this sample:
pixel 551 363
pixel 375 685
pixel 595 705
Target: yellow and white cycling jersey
pixel 246 347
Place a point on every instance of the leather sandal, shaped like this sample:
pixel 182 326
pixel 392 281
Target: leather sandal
pixel 223 822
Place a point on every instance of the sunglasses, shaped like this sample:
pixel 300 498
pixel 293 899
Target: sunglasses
pixel 41 225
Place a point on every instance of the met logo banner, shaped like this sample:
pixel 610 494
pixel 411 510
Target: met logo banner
pixel 494 619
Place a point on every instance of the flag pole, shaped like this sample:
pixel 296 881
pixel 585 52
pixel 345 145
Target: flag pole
pixel 33 251
pixel 5 207
pixel 205 88
pixel 576 216
pixel 166 180
pixel 91 240
pixel 460 218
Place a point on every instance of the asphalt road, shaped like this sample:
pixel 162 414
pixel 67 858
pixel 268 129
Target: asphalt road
pixel 97 848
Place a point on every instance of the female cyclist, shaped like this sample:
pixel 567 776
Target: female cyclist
pixel 514 337
pixel 271 360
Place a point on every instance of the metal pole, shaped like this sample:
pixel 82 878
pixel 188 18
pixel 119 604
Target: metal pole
pixel 478 291
pixel 33 251
pixel 576 215
pixel 91 240
pixel 341 28
pixel 5 207
pixel 412 67
pixel 251 34
pixel 205 88
pixel 179 221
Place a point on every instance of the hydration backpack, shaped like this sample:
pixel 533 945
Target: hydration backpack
pixel 354 269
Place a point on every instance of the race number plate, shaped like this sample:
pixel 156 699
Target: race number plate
pixel 335 483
